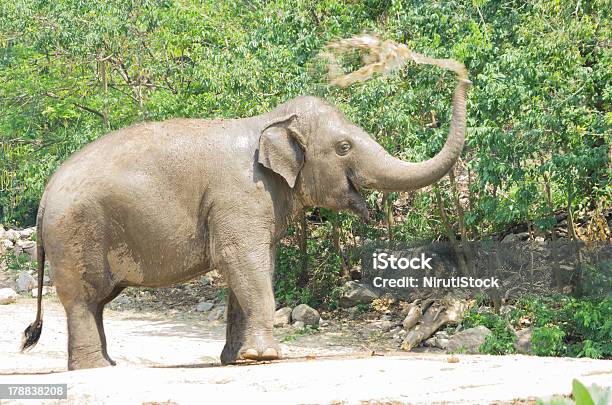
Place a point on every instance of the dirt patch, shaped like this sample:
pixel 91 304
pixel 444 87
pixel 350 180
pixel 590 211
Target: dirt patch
pixel 175 358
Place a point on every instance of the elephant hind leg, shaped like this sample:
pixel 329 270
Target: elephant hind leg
pixel 100 323
pixel 86 341
pixel 86 338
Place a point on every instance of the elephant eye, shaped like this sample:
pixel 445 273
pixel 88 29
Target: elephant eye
pixel 343 148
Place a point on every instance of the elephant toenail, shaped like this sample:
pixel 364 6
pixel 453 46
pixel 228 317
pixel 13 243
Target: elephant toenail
pixel 269 354
pixel 250 354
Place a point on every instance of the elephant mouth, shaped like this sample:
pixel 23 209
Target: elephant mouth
pixel 356 203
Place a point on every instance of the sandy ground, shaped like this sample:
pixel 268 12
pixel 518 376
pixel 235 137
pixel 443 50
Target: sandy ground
pixel 175 359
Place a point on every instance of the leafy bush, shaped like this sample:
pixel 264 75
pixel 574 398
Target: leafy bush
pixel 568 326
pixel 548 341
pixel 562 326
pixel 501 341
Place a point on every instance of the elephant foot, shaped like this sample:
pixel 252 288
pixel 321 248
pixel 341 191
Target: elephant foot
pixel 93 360
pixel 256 349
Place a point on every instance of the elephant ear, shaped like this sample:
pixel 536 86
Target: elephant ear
pixel 280 149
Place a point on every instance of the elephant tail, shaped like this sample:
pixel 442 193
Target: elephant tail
pixel 33 331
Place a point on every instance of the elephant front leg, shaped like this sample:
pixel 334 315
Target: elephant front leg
pixel 250 306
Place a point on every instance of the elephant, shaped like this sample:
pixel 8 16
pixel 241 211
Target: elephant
pixel 159 203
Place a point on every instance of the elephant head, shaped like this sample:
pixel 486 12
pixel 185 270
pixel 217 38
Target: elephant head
pixel 326 159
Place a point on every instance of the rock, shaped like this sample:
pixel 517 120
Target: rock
pixel 400 335
pixel 12 235
pixel 439 340
pixel 356 293
pixel 26 246
pixel 355 273
pixel 207 280
pixel 122 300
pixel 469 340
pixel 306 314
pixel 27 232
pixel 515 237
pixel 45 291
pixel 218 313
pixel 282 317
pixel 506 310
pixel 523 341
pixel 204 306
pixel 5 245
pixel 299 325
pixel 2 232
pixel 46 280
pixel 25 282
pixel 324 324
pixel 431 342
pixel 384 325
pixel 7 296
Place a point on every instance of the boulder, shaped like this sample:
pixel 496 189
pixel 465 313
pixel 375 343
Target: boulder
pixel 384 325
pixel 298 325
pixel 45 291
pixel 506 310
pixel 523 341
pixel 27 247
pixel 7 296
pixel 356 293
pixel 469 340
pixel 12 235
pixel 306 314
pixel 122 300
pixel 282 317
pixel 439 340
pixel 5 245
pixel 218 313
pixel 204 306
pixel 27 232
pixel 25 282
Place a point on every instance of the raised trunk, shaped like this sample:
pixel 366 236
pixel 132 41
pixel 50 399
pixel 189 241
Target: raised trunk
pixel 388 173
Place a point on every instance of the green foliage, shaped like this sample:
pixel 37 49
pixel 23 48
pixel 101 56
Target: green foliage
pixel 562 326
pixel 547 341
pixel 568 326
pixel 70 71
pixel 320 286
pixel 501 340
pixel 17 263
pixel 593 395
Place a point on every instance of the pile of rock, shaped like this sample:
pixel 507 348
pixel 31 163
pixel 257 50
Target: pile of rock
pixel 18 241
pixel 299 317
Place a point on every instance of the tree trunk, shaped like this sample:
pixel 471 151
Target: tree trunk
pixel 104 84
pixel 388 206
pixel 337 236
pixel 303 278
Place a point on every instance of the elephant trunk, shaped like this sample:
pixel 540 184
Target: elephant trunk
pixel 391 174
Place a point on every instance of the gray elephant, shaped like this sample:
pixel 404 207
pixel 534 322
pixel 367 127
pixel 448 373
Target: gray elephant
pixel 159 203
